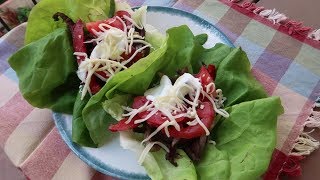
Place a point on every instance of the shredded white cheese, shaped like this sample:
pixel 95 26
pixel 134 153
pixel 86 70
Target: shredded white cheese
pixel 163 125
pixel 111 44
pixel 148 148
pixel 212 142
pixel 169 99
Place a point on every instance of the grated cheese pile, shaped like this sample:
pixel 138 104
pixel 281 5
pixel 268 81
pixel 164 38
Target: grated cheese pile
pixel 111 44
pixel 170 99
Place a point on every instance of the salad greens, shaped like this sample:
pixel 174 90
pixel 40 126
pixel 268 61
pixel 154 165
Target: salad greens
pixel 244 142
pixel 233 74
pixel 246 139
pixel 155 163
pixel 80 133
pixel 184 170
pixel 46 70
pixel 41 23
pixel 170 57
pixel 134 80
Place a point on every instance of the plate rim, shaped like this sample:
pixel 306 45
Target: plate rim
pixel 200 20
pixel 107 169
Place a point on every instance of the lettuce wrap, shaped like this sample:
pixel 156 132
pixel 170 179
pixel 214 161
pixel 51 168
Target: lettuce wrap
pixel 42 81
pixel 244 141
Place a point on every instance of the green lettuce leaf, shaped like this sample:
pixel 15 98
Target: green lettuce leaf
pixel 233 74
pixel 96 119
pixel 89 11
pixel 41 23
pixel 184 170
pixel 114 106
pixel 198 50
pixel 80 133
pixel 214 164
pixel 244 141
pixel 216 54
pixel 181 43
pixel 46 71
pixel 155 163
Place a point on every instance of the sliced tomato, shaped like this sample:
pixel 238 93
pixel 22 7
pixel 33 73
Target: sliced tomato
pixel 212 71
pixel 205 110
pixel 139 101
pixel 155 120
pixel 206 115
pixel 137 57
pixel 127 56
pixel 204 76
pixel 94 85
pixel 102 74
pixel 94 26
pixel 121 14
pixel 122 126
pixel 159 118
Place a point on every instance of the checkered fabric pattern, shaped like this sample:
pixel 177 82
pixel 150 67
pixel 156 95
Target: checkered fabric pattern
pixel 287 64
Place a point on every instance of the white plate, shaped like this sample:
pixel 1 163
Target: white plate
pixel 111 159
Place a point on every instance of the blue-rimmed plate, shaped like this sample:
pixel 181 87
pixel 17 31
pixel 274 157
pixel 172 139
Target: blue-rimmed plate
pixel 111 159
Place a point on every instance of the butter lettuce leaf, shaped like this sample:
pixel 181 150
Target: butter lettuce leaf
pixel 155 163
pixel 233 74
pixel 214 164
pixel 41 23
pixel 244 141
pixel 114 106
pixel 80 132
pixel 184 170
pixel 47 72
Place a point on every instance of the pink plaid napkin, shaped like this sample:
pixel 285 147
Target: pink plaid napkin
pixel 284 58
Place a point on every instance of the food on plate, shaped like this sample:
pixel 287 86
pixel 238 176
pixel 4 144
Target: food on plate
pixel 189 112
pixel 176 115
pixel 110 46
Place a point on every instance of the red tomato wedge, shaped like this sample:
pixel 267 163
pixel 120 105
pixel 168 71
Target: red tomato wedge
pixel 158 119
pixel 121 14
pixel 206 115
pixel 94 26
pixel 136 58
pixel 212 71
pixel 139 101
pixel 94 85
pixel 122 126
pixel 204 76
pixel 155 120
